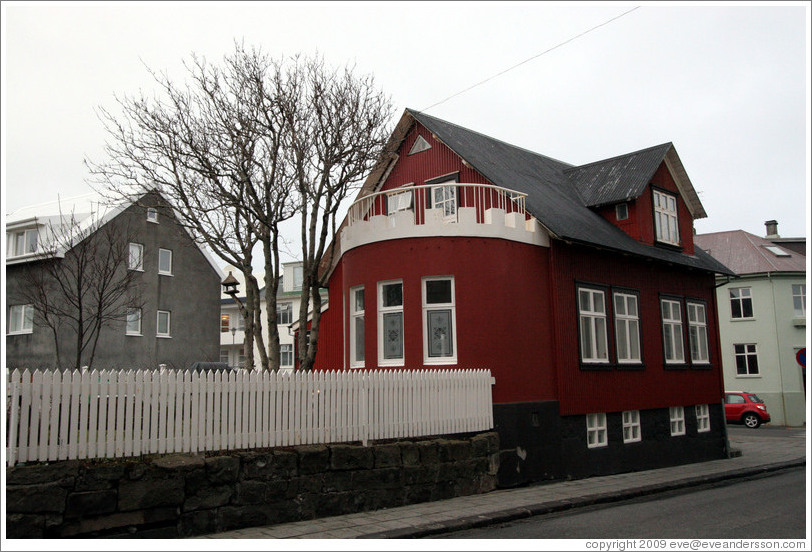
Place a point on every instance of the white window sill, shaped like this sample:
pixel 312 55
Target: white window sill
pixel 440 362
pixel 164 336
pixel 22 332
pixel 165 274
pixel 678 435
pixel 751 319
pixel 152 221
pixel 748 376
pixel 135 334
pixel 632 441
pixel 136 269
pixel 399 362
pixel 799 321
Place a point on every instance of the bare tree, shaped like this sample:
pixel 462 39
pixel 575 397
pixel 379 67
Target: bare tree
pixel 243 147
pixel 337 129
pixel 80 284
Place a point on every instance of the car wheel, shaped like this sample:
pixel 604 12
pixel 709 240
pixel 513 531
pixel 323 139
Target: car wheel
pixel 751 420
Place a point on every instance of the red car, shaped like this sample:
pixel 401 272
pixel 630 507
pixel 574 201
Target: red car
pixel 745 408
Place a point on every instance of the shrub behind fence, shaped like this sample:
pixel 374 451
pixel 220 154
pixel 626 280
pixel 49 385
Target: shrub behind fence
pixel 54 415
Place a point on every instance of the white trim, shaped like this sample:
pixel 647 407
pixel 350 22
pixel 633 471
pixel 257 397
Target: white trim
pixel 632 424
pixel 168 332
pixel 127 323
pixel 164 272
pixel 675 323
pixel 382 310
pixel 152 211
pixel 355 315
pixel 429 307
pixel 666 218
pixel 741 299
pixel 23 329
pixel 596 434
pixel 676 416
pixel 702 330
pixel 140 265
pixel 627 320
pixel 592 316
pixel 702 418
pixel 746 354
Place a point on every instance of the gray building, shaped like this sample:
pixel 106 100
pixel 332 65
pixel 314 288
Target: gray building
pixel 177 286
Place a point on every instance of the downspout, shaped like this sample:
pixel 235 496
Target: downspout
pixel 719 357
pixel 777 342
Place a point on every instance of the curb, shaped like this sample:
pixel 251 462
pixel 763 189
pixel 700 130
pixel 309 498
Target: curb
pixel 554 506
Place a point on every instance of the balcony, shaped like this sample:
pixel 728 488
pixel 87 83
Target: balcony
pixel 441 210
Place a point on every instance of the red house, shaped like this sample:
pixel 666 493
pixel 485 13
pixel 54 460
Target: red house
pixel 579 287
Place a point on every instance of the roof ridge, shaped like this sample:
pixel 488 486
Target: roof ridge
pixel 600 161
pixel 514 146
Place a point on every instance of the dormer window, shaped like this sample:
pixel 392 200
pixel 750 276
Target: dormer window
pixel 665 218
pixel 622 211
pixel 152 214
pixel 22 242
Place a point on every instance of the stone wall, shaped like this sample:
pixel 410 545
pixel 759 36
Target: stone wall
pixel 182 495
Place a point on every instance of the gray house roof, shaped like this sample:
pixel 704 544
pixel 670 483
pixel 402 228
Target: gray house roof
pixel 560 195
pixel 746 253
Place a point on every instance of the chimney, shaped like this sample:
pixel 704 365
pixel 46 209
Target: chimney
pixel 772 229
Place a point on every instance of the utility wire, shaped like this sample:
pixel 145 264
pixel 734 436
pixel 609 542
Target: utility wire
pixel 531 58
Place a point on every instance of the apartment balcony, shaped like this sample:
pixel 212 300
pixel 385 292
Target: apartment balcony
pixel 442 210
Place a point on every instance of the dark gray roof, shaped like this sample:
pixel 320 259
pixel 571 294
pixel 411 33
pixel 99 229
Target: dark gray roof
pixel 552 189
pixel 617 179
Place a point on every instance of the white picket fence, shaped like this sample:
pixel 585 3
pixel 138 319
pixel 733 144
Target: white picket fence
pixel 105 414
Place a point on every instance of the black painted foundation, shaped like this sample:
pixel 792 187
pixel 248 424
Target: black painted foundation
pixel 537 444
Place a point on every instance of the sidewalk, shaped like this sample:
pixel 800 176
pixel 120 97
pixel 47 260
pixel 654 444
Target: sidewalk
pixel 762 450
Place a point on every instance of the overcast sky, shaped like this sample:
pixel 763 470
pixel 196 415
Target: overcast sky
pixel 727 84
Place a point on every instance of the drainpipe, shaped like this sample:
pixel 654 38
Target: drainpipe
pixel 780 367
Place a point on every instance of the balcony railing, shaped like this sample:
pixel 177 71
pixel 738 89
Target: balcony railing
pixel 445 198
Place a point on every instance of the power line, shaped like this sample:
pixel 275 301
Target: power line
pixel 532 58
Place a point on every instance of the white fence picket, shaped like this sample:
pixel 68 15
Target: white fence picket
pixel 65 415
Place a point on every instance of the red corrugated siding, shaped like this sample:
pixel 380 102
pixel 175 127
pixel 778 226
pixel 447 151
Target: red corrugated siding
pixel 428 164
pixel 502 297
pixel 330 354
pixel 582 391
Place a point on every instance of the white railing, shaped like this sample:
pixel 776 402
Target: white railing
pixel 54 415
pixel 481 197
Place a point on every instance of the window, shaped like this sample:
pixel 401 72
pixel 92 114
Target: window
pixel 357 327
pixel 631 426
pixel 22 242
pixel 799 300
pixel 677 416
pixel 627 328
pixel 21 319
pixel 224 356
pixel 592 312
pixel 402 201
pixel 734 399
pixel 420 144
pixel 741 303
pixel 165 262
pixel 746 359
pixel 136 259
pixel 152 214
pixel 298 277
pixel 672 331
pixel 225 323
pixel 390 323
pixel 286 355
pixel 284 313
pixel 133 321
pixel 439 321
pixel 596 430
pixel 444 198
pixel 622 211
pixel 698 333
pixel 777 251
pixel 665 218
pixel 163 323
pixel 241 358
pixel 702 418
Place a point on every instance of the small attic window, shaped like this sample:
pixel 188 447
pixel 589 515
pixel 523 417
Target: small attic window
pixel 152 214
pixel 419 145
pixel 622 211
pixel 777 251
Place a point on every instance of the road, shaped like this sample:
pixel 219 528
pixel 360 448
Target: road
pixel 768 507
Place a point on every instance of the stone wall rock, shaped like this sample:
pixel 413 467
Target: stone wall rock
pixel 182 495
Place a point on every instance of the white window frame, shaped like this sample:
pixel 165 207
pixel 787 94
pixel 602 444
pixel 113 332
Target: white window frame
pixel 168 332
pixel 593 319
pixel 136 262
pixel 22 242
pixel 631 426
pixel 382 311
pixel 666 219
pixel 702 418
pixel 749 352
pixel 298 277
pixel 286 355
pixel 741 295
pixel 137 331
pixel 596 434
pixel 286 307
pixel 25 318
pixel 622 211
pixel 698 333
pixel 799 296
pixel 357 314
pixel 676 415
pixel 225 353
pixel 430 307
pixel 152 215
pixel 225 317
pixel 674 337
pixel 400 201
pixel 161 271
pixel 631 323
